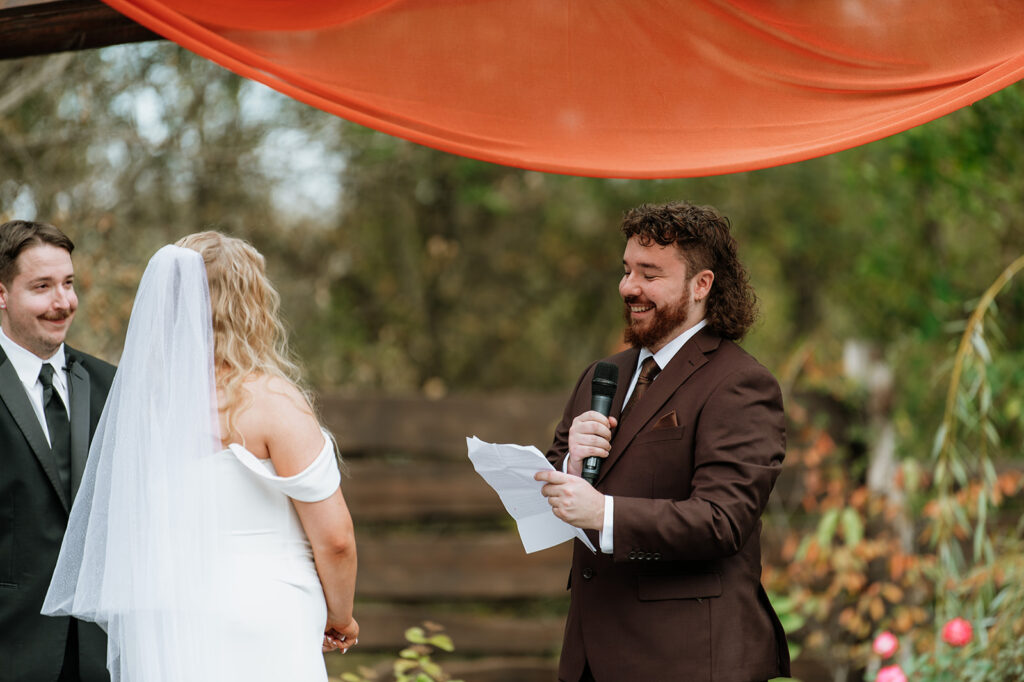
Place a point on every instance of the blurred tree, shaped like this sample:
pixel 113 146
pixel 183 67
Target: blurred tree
pixel 404 268
pixel 128 149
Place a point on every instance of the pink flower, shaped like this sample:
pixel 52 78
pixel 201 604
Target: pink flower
pixel 886 644
pixel 891 673
pixel 957 632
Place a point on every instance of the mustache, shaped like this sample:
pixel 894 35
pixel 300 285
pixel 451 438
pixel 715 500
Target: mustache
pixel 59 315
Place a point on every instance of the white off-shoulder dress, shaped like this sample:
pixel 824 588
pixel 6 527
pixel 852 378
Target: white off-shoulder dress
pixel 274 604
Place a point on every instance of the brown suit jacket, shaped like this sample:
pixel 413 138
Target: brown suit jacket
pixel 690 469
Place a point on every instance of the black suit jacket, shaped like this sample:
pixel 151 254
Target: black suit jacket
pixel 33 517
pixel 690 469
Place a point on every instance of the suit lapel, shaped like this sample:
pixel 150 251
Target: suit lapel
pixel 689 358
pixel 12 393
pixel 80 414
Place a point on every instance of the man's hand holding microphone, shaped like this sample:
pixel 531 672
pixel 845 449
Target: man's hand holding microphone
pixel 572 495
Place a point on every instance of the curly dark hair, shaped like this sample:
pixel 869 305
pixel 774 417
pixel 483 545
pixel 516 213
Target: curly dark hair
pixel 702 234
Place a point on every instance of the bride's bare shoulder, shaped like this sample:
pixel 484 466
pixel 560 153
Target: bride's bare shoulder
pixel 271 384
pixel 276 395
pixel 286 423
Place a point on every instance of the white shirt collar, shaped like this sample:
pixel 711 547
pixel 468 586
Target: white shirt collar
pixel 669 350
pixel 27 364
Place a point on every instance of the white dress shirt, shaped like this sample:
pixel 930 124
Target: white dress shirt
pixel 662 357
pixel 27 365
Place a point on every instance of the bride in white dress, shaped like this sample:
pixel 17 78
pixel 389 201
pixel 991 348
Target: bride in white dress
pixel 210 537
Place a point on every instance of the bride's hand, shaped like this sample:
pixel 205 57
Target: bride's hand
pixel 343 637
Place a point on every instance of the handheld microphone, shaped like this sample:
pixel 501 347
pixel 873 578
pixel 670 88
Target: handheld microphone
pixel 602 390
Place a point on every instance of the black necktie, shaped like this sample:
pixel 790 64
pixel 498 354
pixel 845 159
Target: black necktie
pixel 58 426
pixel 648 371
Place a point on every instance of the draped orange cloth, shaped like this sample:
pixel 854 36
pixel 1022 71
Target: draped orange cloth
pixel 615 88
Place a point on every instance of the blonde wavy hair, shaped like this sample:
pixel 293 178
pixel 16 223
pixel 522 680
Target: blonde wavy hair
pixel 249 338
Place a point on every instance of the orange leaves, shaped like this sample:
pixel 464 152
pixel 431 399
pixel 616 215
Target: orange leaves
pixel 852 622
pixel 856 562
pixel 1009 483
pixel 859 498
pixel 852 582
pixel 876 607
pixel 789 547
pixel 898 565
pixel 823 445
pixel 892 593
pixel 905 619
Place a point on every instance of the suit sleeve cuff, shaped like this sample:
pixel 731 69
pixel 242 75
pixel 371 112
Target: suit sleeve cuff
pixel 606 537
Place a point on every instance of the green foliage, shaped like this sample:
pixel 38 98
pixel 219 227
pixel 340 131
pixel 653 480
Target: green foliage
pixel 415 662
pixel 992 598
pixel 866 567
pixel 983 583
pixel 792 619
pixel 966 484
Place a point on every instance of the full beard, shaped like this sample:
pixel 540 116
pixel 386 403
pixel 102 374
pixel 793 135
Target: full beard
pixel 666 321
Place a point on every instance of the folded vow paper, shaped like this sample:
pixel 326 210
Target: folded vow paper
pixel 509 469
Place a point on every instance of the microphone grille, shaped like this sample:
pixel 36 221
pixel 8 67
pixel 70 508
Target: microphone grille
pixel 606 378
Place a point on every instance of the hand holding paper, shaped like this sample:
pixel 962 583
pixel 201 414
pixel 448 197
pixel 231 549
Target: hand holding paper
pixel 572 499
pixel 510 470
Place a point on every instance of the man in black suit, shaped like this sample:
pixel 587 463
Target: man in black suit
pixel 51 397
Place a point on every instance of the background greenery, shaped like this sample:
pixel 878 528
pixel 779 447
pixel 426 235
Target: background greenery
pixel 407 270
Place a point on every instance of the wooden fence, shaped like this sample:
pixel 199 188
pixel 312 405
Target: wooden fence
pixel 435 542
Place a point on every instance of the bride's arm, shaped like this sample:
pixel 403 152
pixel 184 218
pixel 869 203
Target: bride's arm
pixel 293 439
pixel 329 527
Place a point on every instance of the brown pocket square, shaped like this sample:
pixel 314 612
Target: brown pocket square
pixel 666 421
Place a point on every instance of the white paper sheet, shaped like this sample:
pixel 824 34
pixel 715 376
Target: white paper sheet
pixel 509 469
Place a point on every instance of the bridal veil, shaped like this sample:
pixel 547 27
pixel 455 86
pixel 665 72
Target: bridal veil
pixel 141 546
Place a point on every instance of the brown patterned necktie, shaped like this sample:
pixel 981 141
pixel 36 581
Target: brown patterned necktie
pixel 648 371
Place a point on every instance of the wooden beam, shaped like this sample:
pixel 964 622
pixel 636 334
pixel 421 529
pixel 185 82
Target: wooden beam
pixel 37 27
pixel 416 426
pixel 418 490
pixel 442 567
pixel 487 669
pixel 475 630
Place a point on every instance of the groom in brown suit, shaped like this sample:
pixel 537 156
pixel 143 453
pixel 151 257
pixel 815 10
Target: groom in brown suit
pixel 690 452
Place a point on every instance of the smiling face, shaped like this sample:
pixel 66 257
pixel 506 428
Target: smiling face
pixel 39 302
pixel 660 300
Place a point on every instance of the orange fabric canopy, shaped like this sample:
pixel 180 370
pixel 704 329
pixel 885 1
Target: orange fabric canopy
pixel 626 88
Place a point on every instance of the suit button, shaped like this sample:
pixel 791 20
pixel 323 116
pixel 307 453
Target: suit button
pixel 631 556
pixel 657 555
pixel 588 573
